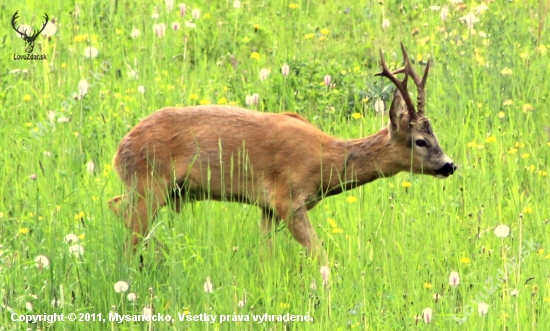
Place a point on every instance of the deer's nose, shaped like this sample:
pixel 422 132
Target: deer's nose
pixel 446 170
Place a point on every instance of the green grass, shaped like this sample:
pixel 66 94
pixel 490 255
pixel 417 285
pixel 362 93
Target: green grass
pixel 391 250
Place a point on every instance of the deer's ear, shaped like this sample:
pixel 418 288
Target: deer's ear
pixel 399 118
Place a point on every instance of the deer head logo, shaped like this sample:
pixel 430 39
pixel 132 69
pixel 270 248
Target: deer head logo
pixel 29 40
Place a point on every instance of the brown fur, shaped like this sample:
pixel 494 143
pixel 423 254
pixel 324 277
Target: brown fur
pixel 279 162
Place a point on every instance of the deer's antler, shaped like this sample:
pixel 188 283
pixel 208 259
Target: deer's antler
pixel 36 33
pixel 13 23
pixel 400 84
pixel 421 99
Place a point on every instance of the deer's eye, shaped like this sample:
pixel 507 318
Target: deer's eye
pixel 421 143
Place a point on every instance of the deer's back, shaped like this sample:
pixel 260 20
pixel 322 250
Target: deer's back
pixel 226 144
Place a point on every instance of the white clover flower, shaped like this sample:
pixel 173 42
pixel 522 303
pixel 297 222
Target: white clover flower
pixel 49 30
pixel 482 309
pixel 135 33
pixel 469 19
pixel 454 279
pixel 71 238
pixel 41 261
pixel 285 69
pixel 325 274
pixel 90 52
pixel 379 105
pixel 263 74
pixel 208 287
pixel 427 315
pixel 502 231
pixel 159 29
pixel 76 250
pixel 121 286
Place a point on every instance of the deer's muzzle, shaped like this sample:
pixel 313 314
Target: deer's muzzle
pixel 446 170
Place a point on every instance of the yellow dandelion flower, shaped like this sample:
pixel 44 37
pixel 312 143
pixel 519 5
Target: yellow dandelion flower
pixel 524 55
pixel 524 156
pixel 465 260
pixel 542 173
pixel 26 97
pixel 293 6
pixel 548 143
pixel 542 50
pixel 501 114
pixel 81 236
pixel 513 151
pixel 337 230
pixel 547 256
pixel 547 299
pixel 391 185
pixel 531 168
pixel 63 65
pixel 207 15
pixel 406 184
pixel 332 222
pixel 518 145
pixel 540 251
pixel 351 199
pixel 527 108
pixel 472 144
pixel 491 139
pixel 322 38
pixel 255 56
pixel 284 305
pixel 427 286
pixel 222 101
pixel 344 72
pixel 356 115
pixel 506 71
pixel 204 102
pixel 245 40
pixel 508 102
pixel 527 210
pixel 309 36
pixel 194 96
pixel 256 26
pixel 76 133
pixel 324 31
pixel 24 230
pixel 118 31
pixel 186 311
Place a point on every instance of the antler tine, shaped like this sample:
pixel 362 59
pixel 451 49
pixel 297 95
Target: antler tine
pixel 13 22
pixel 47 18
pixel 421 98
pixel 400 84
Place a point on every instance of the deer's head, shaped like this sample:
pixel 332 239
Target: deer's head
pixel 29 39
pixel 411 132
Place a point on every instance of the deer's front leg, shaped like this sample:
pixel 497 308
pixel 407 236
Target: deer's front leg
pixel 301 228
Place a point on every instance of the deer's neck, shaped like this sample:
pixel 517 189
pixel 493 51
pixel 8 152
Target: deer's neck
pixel 370 158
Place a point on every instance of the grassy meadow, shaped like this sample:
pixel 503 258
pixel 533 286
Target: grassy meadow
pixel 395 245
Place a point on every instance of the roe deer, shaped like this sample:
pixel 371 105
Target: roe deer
pixel 279 162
